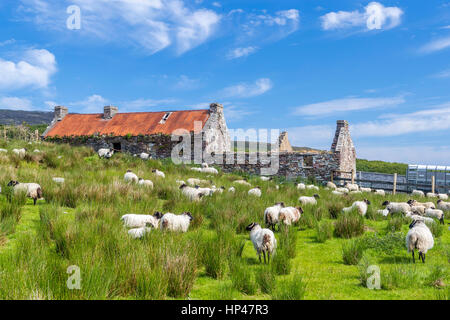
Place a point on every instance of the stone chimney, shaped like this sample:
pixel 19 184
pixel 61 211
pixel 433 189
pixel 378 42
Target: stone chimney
pixel 283 143
pixel 109 112
pixel 60 113
pixel 344 149
pixel 215 108
pixel 340 124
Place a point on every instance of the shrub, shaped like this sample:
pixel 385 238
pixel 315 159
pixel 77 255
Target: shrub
pixel 348 225
pixel 266 279
pixel 290 289
pixel 324 231
pixel 352 251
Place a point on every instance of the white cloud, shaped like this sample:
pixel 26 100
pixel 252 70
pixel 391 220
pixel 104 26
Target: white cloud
pixel 436 45
pixel 139 104
pixel 186 83
pixel 92 104
pixel 442 74
pixel 34 70
pixel 246 90
pixel 7 42
pixel 375 16
pixel 241 52
pixel 348 104
pixel 14 103
pixel 288 22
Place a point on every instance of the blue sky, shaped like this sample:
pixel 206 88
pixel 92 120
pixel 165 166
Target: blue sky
pixel 295 65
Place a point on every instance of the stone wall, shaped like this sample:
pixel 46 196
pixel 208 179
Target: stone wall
pixel 344 148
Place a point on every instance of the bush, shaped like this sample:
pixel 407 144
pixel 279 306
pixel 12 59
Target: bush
pixel 324 231
pixel 352 251
pixel 266 279
pixel 349 225
pixel 290 289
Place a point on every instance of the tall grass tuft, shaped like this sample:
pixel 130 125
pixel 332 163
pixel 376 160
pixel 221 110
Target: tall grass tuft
pixel 324 231
pixel 290 289
pixel 242 278
pixel 352 251
pixel 265 278
pixel 288 240
pixel 349 225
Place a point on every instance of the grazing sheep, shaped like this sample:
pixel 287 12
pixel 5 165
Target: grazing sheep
pixel 32 190
pixel 231 189
pixel 380 192
pixel 309 200
pixel 132 220
pixel 138 233
pixel 271 215
pixel 416 217
pixel 218 190
pixel 195 181
pixel 192 193
pixel 159 173
pixel 196 169
pixel 418 193
pixel 180 182
pixel 105 153
pixel 263 240
pixel 427 205
pixel 418 210
pixel 394 207
pixel 312 187
pixel 205 191
pixel 243 182
pixel 337 193
pixel 265 178
pixel 144 156
pixel 419 237
pixel 362 189
pixel 210 170
pixel 331 185
pixel 58 180
pixel 444 206
pixel 301 186
pixel 431 195
pixel 435 213
pixel 290 215
pixel 442 196
pixel 20 152
pixel 384 212
pixel 174 222
pixel 361 206
pixel 352 187
pixel 130 177
pixel 255 192
pixel 145 183
pixel 342 190
pixel 3 151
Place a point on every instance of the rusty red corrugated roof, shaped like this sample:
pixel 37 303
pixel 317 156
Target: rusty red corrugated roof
pixel 122 124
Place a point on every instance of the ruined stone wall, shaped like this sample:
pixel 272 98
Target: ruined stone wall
pixel 344 148
pixel 216 136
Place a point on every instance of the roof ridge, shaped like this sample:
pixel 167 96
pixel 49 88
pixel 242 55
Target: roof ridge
pixel 134 112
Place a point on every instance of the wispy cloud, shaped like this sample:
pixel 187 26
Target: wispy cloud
pixel 15 103
pixel 442 74
pixel 247 90
pixel 144 104
pixel 348 104
pixel 375 17
pixel 436 45
pixel 241 52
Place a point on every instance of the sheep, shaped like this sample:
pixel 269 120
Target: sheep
pixel 263 240
pixel 361 207
pixel 342 190
pixel 355 192
pixel 394 207
pixel 290 215
pixel 196 169
pixel 205 191
pixel 362 189
pixel 159 173
pixel 427 205
pixel 384 212
pixel 255 192
pixel 174 222
pixel 132 220
pixel 418 193
pixel 243 182
pixel 419 237
pixel 301 186
pixel 130 177
pixel 180 182
pixel 309 200
pixel 144 156
pixel 145 183
pixel 444 206
pixel 312 187
pixel 418 210
pixel 271 215
pixel 416 217
pixel 205 165
pixel 331 185
pixel 105 153
pixel 195 181
pixel 218 190
pixel 232 189
pixel 431 195
pixel 442 196
pixel 37 151
pixel 265 178
pixel 32 190
pixel 210 170
pixel 435 213
pixel 3 151
pixel 58 180
pixel 20 152
pixel 352 186
pixel 192 193
pixel 138 233
pixel 337 193
pixel 380 192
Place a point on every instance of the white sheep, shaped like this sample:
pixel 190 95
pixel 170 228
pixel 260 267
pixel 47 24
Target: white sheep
pixel 232 189
pixel 58 180
pixel 419 237
pixel 271 215
pixel 356 192
pixel 20 152
pixel 218 190
pixel 174 222
pixel 418 210
pixel 205 191
pixel 132 220
pixel 427 205
pixel 255 192
pixel 290 215
pixel 265 178
pixel 32 190
pixel 301 186
pixel 418 193
pixel 192 193
pixel 159 173
pixel 352 187
pixel 145 183
pixel 442 196
pixel 444 206
pixel 362 189
pixel 309 200
pixel 331 185
pixel 342 190
pixel 263 240
pixel 180 182
pixel 360 206
pixel 337 193
pixel 380 192
pixel 431 195
pixel 312 187
pixel 195 181
pixel 210 170
pixel 105 153
pixel 196 169
pixel 384 212
pixel 144 156
pixel 243 182
pixel 418 217
pixel 397 207
pixel 435 213
pixel 130 177
pixel 138 233
pixel 3 151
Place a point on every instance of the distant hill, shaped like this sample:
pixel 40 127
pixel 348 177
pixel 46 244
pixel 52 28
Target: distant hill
pixel 15 117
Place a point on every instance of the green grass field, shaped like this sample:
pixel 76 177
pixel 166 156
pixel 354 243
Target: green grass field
pixel 78 223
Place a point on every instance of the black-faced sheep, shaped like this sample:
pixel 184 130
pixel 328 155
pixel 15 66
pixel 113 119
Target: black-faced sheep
pixel 419 237
pixel 32 190
pixel 263 240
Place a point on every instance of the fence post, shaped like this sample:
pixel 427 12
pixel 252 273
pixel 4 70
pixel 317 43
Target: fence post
pixel 433 182
pixel 394 189
pixel 332 176
pixel 353 176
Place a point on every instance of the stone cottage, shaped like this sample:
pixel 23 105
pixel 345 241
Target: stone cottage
pixel 137 132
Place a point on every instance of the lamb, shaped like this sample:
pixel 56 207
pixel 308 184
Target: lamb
pixel 290 215
pixel 362 189
pixel 263 240
pixel 255 192
pixel 309 200
pixel 32 190
pixel 352 186
pixel 144 156
pixel 58 180
pixel 138 233
pixel 205 165
pixel 401 207
pixel 435 213
pixel 205 191
pixel 312 187
pixel 20 152
pixel 380 192
pixel 418 210
pixel 331 185
pixel 174 222
pixel 301 186
pixel 145 183
pixel 444 206
pixel 159 173
pixel 130 177
pixel 418 193
pixel 243 182
pixel 419 237
pixel 271 215
pixel 192 193
pixel 105 153
pixel 361 207
pixel 132 220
